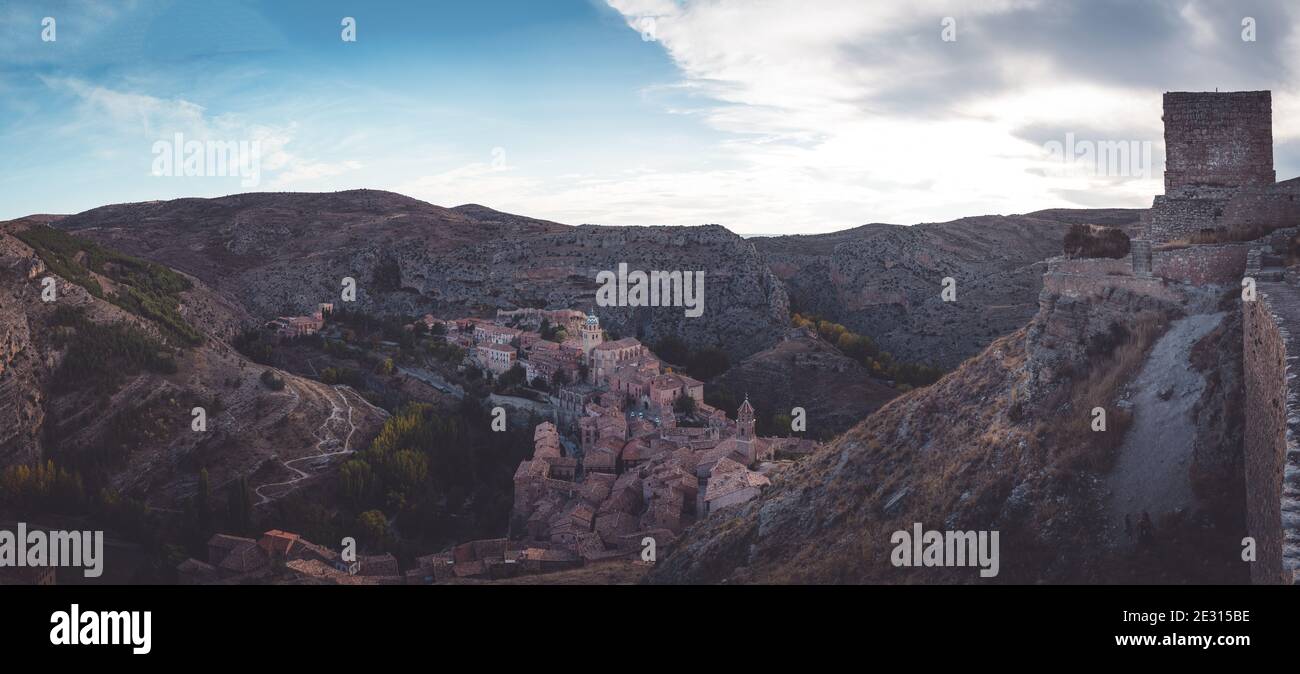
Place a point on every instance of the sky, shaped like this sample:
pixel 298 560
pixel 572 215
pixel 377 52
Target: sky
pixel 765 116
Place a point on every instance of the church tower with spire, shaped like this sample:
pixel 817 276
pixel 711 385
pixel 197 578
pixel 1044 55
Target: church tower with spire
pixel 592 336
pixel 745 421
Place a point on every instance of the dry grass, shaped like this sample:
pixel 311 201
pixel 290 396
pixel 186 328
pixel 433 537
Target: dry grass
pixel 1078 447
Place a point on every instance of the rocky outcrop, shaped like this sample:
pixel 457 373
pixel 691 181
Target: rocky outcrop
pixel 21 412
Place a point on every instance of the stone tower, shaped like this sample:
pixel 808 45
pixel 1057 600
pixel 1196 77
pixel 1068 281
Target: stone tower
pixel 745 420
pixel 1217 144
pixel 591 336
pixel 1219 139
pixel 1218 171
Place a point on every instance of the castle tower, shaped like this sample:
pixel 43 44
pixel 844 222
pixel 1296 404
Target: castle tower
pixel 591 336
pixel 1219 139
pixel 1217 144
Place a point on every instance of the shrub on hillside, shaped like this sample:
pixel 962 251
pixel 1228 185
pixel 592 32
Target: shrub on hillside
pixel 1089 241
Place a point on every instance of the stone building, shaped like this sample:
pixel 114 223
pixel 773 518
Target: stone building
pixel 1219 186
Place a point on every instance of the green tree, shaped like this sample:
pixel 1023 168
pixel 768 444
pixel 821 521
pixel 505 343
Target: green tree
pixel 672 349
pixel 239 505
pixel 708 363
pixel 373 527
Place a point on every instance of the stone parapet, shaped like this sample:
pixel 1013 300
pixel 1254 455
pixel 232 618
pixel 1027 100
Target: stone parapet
pixel 1272 461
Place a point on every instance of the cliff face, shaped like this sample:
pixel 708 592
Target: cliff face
pixel 21 412
pixel 745 307
pixel 884 280
pixel 1004 443
pixel 280 253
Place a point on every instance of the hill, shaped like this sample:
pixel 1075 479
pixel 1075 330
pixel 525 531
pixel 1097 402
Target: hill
pixel 884 280
pixel 281 253
pixel 103 380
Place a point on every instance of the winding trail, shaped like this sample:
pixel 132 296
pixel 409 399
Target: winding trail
pixel 327 441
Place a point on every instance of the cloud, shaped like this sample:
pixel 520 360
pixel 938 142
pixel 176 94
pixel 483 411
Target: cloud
pixel 128 124
pixel 857 112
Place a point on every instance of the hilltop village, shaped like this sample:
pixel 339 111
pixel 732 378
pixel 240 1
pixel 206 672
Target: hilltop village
pixel 632 450
pixel 630 453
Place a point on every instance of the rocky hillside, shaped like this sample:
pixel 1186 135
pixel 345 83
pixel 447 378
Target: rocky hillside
pixel 1004 443
pixel 804 371
pixel 103 380
pixel 884 280
pixel 281 253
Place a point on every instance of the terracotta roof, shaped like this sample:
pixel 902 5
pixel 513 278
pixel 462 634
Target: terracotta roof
pixel 277 542
pixel 228 542
pixel 378 565
pixel 625 343
pixel 244 557
pixel 722 483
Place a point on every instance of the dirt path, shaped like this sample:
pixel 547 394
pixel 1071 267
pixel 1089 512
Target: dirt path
pixel 328 445
pixel 1151 468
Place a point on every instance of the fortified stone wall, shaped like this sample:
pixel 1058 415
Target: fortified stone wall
pixel 1202 265
pixel 1099 277
pixel 1180 215
pixel 1090 265
pixel 1272 206
pixel 1219 138
pixel 1272 462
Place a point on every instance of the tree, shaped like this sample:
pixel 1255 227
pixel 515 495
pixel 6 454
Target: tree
pixel 388 275
pixel 708 363
pixel 781 424
pixel 684 404
pixel 239 505
pixel 358 481
pixel 373 527
pixel 512 377
pixel 672 349
pixel 272 381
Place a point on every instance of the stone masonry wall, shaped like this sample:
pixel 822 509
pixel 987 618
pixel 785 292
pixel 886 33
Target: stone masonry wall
pixel 1179 215
pixel 1099 277
pixel 1272 462
pixel 1202 265
pixel 1219 138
